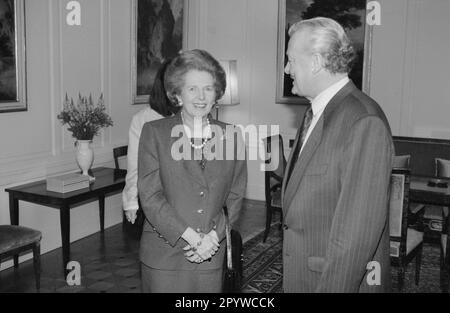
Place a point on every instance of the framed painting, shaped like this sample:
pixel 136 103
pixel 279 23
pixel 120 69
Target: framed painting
pixel 13 95
pixel 159 32
pixel 350 14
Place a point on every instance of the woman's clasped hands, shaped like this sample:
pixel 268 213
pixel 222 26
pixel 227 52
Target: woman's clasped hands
pixel 203 249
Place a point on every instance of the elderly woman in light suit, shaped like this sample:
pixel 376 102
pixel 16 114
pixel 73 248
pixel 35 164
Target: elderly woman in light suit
pixel 182 247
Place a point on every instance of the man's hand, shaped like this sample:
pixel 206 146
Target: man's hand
pixel 131 215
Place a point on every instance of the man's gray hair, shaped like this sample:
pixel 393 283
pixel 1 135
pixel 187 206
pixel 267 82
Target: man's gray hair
pixel 328 38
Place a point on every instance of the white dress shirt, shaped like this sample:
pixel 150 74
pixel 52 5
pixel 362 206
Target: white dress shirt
pixel 319 103
pixel 130 192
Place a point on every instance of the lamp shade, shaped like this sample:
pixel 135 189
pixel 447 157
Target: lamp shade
pixel 231 95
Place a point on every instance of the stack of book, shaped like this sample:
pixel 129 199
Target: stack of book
pixel 67 182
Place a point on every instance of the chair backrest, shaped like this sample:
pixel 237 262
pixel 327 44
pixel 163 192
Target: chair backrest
pixel 398 211
pixel 423 153
pixel 119 152
pixel 443 170
pixel 274 144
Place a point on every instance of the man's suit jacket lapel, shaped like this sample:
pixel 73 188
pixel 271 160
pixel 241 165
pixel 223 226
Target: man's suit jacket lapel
pixel 303 160
pixel 289 190
pixel 289 164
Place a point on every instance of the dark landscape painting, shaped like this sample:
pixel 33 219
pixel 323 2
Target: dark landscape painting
pixel 8 73
pixel 349 13
pixel 159 37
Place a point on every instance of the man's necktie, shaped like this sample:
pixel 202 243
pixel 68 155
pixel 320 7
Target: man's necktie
pixel 307 118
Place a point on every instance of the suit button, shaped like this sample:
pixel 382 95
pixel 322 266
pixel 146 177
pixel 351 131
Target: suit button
pixel 200 211
pixel 202 194
pixel 285 227
pixel 199 230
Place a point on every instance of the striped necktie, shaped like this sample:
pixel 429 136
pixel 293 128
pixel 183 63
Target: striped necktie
pixel 307 118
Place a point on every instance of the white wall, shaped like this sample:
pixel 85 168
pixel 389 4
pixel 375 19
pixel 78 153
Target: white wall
pixel 410 66
pixel 91 58
pixel 96 57
pixel 247 31
pixel 409 69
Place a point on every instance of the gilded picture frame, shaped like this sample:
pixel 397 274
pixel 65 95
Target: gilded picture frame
pixel 159 31
pixel 13 84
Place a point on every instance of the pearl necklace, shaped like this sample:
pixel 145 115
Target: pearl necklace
pixel 204 140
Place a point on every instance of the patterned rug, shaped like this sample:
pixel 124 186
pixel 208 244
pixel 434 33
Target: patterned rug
pixel 110 263
pixel 263 267
pixel 263 264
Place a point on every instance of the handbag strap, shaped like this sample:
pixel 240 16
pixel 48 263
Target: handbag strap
pixel 228 236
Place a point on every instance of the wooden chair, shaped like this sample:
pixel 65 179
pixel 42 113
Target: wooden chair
pixel 441 217
pixel 137 227
pixel 405 242
pixel 118 153
pixel 445 251
pixel 273 179
pixel 15 239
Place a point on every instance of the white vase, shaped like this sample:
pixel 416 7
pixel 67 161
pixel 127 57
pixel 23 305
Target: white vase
pixel 85 155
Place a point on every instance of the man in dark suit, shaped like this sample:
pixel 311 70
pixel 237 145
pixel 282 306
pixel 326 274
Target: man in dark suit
pixel 335 192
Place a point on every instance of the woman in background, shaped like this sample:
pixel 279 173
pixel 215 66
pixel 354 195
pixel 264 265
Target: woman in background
pixel 182 247
pixel 159 107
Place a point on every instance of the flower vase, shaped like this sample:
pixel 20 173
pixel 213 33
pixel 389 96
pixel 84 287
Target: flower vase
pixel 85 155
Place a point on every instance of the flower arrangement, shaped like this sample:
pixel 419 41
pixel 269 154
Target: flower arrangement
pixel 85 120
